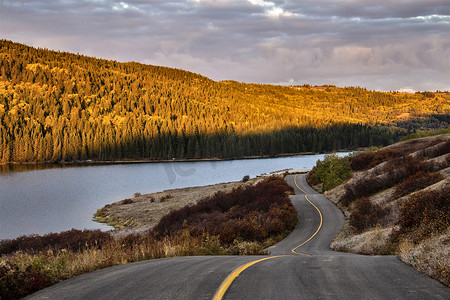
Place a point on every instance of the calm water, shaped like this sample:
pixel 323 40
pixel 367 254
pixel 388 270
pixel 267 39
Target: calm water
pixel 57 199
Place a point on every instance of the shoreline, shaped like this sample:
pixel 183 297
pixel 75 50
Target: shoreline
pixel 143 161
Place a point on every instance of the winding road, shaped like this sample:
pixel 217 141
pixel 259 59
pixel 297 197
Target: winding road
pixel 302 266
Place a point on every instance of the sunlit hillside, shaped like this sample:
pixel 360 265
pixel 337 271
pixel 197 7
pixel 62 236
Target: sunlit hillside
pixel 59 106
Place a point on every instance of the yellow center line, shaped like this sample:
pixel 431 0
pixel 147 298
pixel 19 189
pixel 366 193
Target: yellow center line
pixel 321 219
pixel 295 182
pixel 232 276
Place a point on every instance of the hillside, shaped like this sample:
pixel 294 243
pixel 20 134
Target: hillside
pixel 397 201
pixel 57 106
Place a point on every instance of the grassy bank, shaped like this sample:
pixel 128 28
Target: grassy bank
pixel 244 221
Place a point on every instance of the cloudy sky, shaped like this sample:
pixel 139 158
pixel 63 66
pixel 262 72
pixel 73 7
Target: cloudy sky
pixel 378 44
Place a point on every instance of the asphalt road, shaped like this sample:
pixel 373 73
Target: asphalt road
pixel 300 267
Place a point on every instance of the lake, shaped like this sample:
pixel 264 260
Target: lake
pixel 36 200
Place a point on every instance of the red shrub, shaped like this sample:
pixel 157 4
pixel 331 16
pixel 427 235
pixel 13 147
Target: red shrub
pixel 409 165
pixel 396 170
pixel 438 150
pixel 16 283
pixel 368 160
pixel 425 213
pixel 74 240
pixel 366 215
pixel 246 213
pixel 415 182
pixel 127 201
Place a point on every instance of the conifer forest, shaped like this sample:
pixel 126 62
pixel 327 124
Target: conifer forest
pixel 57 106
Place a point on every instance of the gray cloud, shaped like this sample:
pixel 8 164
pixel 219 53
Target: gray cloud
pixel 385 45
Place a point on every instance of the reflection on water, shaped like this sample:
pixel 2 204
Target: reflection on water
pixel 52 198
pixel 4 169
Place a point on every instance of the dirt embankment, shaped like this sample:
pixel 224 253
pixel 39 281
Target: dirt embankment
pixel 397 202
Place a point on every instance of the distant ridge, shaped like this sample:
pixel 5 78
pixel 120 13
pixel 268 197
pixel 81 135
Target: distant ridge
pixel 58 106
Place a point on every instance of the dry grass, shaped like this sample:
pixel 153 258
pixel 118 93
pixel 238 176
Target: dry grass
pixel 23 273
pixel 373 242
pixel 431 256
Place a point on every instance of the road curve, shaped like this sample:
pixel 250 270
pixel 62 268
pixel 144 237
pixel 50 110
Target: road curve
pixel 311 271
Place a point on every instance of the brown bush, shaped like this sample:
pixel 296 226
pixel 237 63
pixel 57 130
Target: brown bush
pixel 74 240
pixel 127 201
pixel 251 213
pixel 368 160
pixel 440 149
pixel 16 283
pixel 425 213
pixel 396 170
pixel 361 188
pixel 408 165
pixel 366 215
pixel 311 179
pixel 166 197
pixel 415 182
pixel 245 178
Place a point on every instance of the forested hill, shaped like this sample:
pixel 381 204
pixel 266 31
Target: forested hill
pixel 58 106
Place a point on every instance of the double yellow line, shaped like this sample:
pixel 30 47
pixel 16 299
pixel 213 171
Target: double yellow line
pixel 232 276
